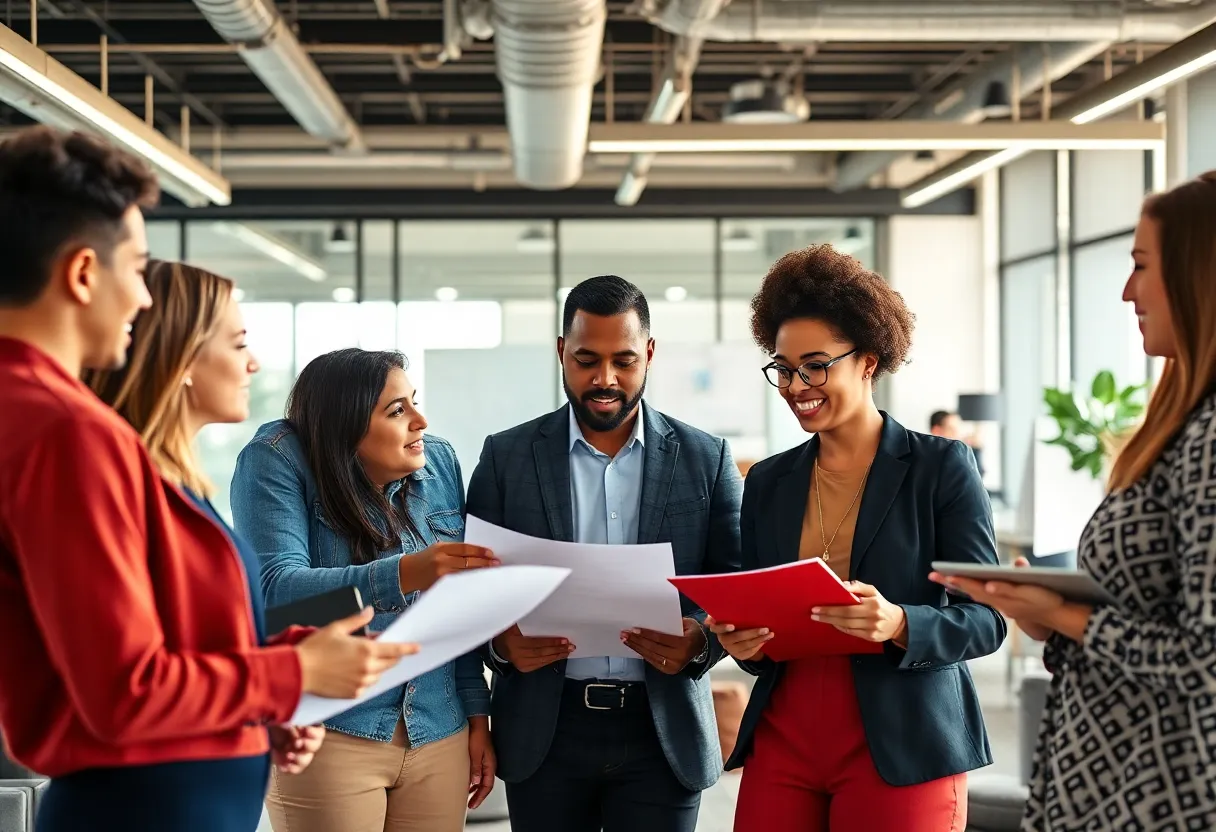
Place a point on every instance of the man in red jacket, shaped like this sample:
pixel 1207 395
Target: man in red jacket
pixel 130 666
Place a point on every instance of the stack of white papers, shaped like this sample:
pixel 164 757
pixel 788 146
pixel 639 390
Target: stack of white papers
pixel 458 614
pixel 610 588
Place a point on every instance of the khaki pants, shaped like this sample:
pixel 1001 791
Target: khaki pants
pixel 358 785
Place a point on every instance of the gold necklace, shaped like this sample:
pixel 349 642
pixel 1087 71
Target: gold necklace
pixel 827 544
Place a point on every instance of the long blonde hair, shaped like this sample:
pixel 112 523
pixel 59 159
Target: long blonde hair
pixel 188 305
pixel 1186 222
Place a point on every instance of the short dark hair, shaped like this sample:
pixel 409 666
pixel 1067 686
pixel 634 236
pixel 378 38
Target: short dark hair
pixel 330 406
pixel 59 189
pixel 939 418
pixel 820 282
pixel 605 295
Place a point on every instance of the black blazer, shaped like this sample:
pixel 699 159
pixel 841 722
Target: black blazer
pixel 923 501
pixel 690 498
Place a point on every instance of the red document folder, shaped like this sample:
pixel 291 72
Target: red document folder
pixel 780 598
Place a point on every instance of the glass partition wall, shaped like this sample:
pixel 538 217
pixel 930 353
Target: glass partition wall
pixel 475 305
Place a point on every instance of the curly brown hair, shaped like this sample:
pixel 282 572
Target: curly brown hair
pixel 820 282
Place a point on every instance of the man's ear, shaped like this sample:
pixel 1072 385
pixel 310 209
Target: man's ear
pixel 649 351
pixel 561 349
pixel 78 272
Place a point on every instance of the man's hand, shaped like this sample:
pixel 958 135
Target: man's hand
pixel 874 619
pixel 528 654
pixel 482 763
pixel 293 747
pixel 667 654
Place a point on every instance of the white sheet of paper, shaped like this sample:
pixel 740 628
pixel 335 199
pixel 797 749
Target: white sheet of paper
pixel 459 613
pixel 610 588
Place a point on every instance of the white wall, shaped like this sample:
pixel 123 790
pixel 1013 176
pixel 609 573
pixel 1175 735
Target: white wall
pixel 936 263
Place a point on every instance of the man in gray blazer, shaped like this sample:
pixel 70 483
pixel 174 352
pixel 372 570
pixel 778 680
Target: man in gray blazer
pixel 622 745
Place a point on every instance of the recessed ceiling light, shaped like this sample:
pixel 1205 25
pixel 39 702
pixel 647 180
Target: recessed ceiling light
pixel 339 241
pixel 344 294
pixel 446 294
pixel 675 294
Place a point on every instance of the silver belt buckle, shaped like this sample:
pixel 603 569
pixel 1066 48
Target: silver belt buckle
pixel 587 696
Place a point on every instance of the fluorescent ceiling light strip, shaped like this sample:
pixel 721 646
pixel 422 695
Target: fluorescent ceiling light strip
pixel 921 196
pixel 113 129
pixel 273 249
pixel 894 143
pixel 1118 102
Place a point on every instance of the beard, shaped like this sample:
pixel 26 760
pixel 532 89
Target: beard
pixel 603 422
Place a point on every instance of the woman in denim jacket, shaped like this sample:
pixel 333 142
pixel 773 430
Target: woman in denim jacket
pixel 348 491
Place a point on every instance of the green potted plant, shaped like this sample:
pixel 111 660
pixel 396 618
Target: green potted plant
pixel 1092 427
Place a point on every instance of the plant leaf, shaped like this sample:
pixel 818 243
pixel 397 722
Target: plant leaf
pixel 1103 387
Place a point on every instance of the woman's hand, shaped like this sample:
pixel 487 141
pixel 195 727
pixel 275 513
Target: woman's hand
pixel 338 665
pixel 293 747
pixel 482 763
pixel 420 571
pixel 743 645
pixel 874 619
pixel 1031 607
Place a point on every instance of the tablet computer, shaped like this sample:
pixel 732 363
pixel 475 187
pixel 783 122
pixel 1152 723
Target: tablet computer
pixel 1071 583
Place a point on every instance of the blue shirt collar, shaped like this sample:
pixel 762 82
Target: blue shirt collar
pixel 639 430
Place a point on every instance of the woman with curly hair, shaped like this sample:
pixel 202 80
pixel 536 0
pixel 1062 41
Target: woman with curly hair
pixel 880 738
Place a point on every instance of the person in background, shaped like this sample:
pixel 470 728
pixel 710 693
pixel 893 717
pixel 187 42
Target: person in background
pixel 188 366
pixel 1128 737
pixel 349 489
pixel 877 740
pixel 130 670
pixel 948 425
pixel 618 744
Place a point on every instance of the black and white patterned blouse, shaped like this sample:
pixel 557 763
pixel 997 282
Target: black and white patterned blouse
pixel 1128 739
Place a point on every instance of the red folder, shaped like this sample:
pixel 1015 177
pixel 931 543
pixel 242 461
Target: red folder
pixel 780 598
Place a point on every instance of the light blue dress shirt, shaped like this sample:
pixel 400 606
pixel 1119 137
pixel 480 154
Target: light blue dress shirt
pixel 606 496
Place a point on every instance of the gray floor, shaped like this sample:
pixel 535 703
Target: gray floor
pixel 718 806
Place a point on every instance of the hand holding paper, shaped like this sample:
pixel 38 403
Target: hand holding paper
pixel 459 613
pixel 611 589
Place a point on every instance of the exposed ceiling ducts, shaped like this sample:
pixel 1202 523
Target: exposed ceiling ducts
pixel 275 55
pixel 794 21
pixel 1034 65
pixel 548 58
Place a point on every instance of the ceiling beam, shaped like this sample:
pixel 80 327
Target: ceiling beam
pixel 870 135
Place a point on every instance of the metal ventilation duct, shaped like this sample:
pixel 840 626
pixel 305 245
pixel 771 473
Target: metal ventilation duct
pixel 548 54
pixel 796 21
pixel 274 54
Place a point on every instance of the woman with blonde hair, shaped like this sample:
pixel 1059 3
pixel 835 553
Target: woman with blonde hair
pixel 188 366
pixel 1128 739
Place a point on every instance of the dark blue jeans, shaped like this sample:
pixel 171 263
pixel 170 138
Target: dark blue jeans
pixel 605 771
pixel 196 796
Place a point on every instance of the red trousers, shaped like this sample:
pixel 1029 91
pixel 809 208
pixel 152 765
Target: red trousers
pixel 810 768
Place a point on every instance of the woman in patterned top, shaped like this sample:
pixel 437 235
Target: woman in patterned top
pixel 1128 740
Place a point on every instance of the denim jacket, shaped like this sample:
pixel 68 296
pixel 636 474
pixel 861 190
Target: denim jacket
pixel 276 507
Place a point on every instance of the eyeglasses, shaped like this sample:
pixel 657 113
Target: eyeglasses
pixel 813 373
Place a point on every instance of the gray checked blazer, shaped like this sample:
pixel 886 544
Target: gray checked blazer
pixel 691 495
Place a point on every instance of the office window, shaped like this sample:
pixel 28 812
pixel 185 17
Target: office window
pixel 1108 187
pixel 1028 359
pixel 1105 335
pixel 477 321
pixel 1028 206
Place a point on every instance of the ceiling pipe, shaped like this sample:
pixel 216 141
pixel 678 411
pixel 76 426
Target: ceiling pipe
pixel 797 21
pixel 272 51
pixel 548 57
pixel 967 105
pixel 1173 64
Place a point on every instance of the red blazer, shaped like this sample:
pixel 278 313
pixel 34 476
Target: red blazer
pixel 126 634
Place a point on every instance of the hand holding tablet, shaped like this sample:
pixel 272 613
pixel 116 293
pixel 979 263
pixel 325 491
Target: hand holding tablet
pixel 1070 584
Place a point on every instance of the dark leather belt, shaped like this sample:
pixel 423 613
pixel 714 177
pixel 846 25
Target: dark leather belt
pixel 606 696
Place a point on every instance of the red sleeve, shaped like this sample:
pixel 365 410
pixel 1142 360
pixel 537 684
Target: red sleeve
pixel 91 591
pixel 292 635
